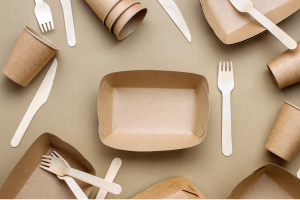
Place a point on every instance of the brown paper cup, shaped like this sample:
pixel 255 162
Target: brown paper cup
pixel 284 140
pixel 117 11
pixel 30 54
pixel 102 7
pixel 286 68
pixel 129 21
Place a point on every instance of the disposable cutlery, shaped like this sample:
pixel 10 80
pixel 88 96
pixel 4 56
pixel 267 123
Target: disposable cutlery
pixel 173 11
pixel 226 85
pixel 247 6
pixel 59 167
pixel 69 180
pixel 39 99
pixel 110 176
pixel 43 15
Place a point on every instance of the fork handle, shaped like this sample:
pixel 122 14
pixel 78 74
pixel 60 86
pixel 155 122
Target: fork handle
pixel 94 180
pixel 274 29
pixel 226 125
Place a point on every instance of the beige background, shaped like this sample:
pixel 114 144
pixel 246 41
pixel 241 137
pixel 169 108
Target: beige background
pixel 157 44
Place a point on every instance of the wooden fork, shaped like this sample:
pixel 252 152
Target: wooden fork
pixel 79 194
pixel 59 167
pixel 43 15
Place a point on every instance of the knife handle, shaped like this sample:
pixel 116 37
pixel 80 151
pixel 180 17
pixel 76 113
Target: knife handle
pixel 110 176
pixel 23 126
pixel 69 22
pixel 79 194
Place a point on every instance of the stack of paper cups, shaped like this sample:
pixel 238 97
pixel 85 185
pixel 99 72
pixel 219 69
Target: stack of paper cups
pixel 121 17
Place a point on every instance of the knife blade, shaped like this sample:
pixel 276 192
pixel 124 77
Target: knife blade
pixel 173 11
pixel 69 22
pixel 39 99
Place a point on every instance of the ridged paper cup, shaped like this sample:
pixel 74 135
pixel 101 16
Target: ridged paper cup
pixel 286 68
pixel 115 13
pixel 129 21
pixel 102 7
pixel 284 140
pixel 30 54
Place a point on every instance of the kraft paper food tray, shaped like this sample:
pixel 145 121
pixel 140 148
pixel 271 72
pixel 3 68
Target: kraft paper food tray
pixel 174 188
pixel 153 110
pixel 28 181
pixel 268 182
pixel 232 26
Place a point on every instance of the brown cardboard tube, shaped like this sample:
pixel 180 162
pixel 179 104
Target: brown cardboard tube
pixel 284 140
pixel 30 54
pixel 102 7
pixel 117 11
pixel 286 68
pixel 129 21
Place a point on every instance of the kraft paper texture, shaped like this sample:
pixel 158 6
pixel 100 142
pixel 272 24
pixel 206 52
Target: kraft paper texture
pixel 71 110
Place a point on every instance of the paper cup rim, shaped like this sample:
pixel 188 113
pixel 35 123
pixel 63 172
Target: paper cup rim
pixel 105 16
pixel 112 24
pixel 292 105
pixel 41 38
pixel 117 35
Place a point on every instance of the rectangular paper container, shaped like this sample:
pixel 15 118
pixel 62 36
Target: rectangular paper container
pixel 153 110
pixel 28 181
pixel 268 182
pixel 232 26
pixel 174 188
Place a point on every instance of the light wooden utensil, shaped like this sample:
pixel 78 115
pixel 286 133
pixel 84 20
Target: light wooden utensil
pixel 59 167
pixel 43 15
pixel 110 176
pixel 69 22
pixel 226 85
pixel 39 99
pixel 77 191
pixel 247 6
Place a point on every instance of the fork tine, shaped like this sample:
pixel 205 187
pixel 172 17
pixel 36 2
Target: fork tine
pixel 45 27
pixel 42 28
pixel 45 164
pixel 224 66
pixel 220 66
pixel 228 68
pixel 57 154
pixel 46 160
pixel 45 168
pixel 47 157
pixel 48 25
pixel 53 155
pixel 51 22
pixel 231 66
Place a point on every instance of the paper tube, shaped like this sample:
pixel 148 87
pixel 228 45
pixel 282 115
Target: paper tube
pixel 30 54
pixel 129 21
pixel 284 140
pixel 117 11
pixel 286 68
pixel 102 7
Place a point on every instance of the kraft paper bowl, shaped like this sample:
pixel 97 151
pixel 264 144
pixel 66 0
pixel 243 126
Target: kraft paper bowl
pixel 102 7
pixel 129 21
pixel 284 140
pixel 30 54
pixel 286 68
pixel 115 13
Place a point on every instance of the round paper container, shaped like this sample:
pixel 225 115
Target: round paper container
pixel 30 54
pixel 286 68
pixel 284 140
pixel 102 7
pixel 117 11
pixel 129 21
